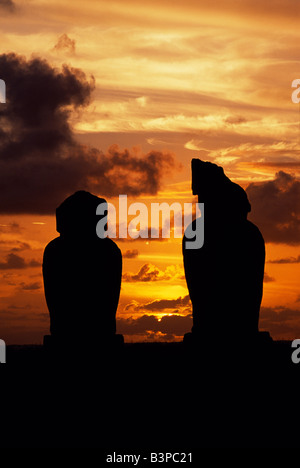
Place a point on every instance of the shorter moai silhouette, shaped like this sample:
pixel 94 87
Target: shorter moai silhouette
pixel 82 277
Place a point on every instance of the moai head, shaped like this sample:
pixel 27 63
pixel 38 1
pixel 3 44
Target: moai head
pixel 76 216
pixel 216 190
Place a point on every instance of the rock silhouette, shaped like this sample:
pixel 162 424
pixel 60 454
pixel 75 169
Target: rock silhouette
pixel 82 275
pixel 225 276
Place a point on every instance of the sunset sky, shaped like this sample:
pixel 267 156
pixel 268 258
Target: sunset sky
pixel 117 97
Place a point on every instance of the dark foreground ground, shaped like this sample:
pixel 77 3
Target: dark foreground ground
pixel 151 396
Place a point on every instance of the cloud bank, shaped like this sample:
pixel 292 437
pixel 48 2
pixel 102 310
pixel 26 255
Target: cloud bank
pixel 276 208
pixel 7 6
pixel 65 44
pixel 41 162
pixel 169 325
pixel 13 261
pixel 149 272
pixel 131 253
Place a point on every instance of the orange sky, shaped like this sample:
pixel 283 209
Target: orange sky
pixel 207 79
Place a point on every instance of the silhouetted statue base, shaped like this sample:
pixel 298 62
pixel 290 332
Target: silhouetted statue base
pixel 194 338
pixel 241 351
pixel 75 348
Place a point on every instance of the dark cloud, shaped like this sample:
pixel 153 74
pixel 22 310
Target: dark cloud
pixel 268 278
pixel 138 326
pixel 282 261
pixel 18 307
pixel 41 163
pixel 10 227
pixel 175 324
pixel 146 273
pixel 121 172
pixel 276 208
pixel 168 303
pixel 150 272
pixel 8 6
pixel 29 286
pixel 13 261
pixel 235 119
pixel 65 44
pixel 130 253
pixel 18 245
pixel 170 325
pixel 159 305
pixel 281 322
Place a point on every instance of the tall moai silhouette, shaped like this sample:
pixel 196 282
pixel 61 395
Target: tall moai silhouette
pixel 225 276
pixel 82 275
